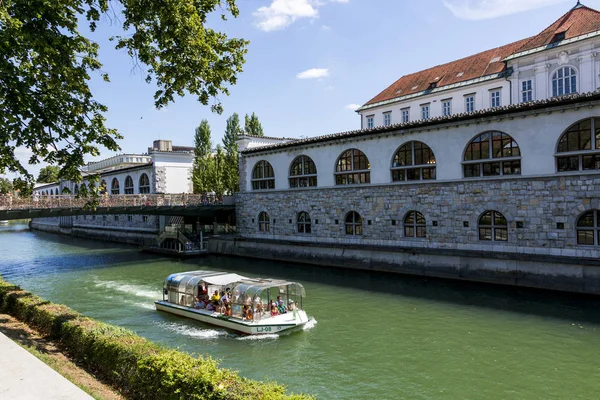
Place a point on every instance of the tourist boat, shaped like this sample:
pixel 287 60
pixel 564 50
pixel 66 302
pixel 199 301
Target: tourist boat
pixel 3 222
pixel 249 301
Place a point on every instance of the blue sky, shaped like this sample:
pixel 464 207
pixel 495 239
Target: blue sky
pixel 309 61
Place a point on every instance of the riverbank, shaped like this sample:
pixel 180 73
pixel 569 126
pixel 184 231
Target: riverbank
pixel 49 352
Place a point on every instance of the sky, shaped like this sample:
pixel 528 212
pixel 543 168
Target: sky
pixel 310 63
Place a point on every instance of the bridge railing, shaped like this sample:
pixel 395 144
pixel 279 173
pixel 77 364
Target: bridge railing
pixel 8 202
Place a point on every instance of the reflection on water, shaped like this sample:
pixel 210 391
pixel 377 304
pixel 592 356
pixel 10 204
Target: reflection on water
pixel 377 336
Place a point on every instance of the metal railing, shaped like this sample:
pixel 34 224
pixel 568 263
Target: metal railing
pixel 35 202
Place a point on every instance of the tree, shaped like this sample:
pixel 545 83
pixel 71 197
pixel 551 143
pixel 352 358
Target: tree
pixel 231 173
pixel 6 186
pixel 48 174
pixel 23 187
pixel 46 103
pixel 253 126
pixel 217 172
pixel 201 173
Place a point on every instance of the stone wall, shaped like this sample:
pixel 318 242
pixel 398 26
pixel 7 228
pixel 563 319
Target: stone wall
pixel 535 209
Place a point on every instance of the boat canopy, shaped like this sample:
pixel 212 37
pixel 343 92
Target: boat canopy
pixel 250 291
pixel 184 282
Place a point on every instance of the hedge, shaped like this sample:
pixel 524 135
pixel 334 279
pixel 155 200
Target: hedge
pixel 137 367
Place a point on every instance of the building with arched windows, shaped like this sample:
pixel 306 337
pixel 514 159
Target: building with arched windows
pixel 163 169
pixel 485 168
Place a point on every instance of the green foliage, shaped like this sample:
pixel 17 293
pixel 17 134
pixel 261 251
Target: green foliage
pixel 23 187
pixel 46 104
pixel 253 126
pixel 6 186
pixel 201 173
pixel 48 174
pixel 231 174
pixel 139 368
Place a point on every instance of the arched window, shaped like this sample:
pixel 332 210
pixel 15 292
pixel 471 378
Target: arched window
pixel 103 187
pixel 263 176
pixel 303 172
pixel 493 226
pixel 115 187
pixel 492 154
pixel 588 228
pixel 414 225
pixel 144 184
pixel 304 222
pixel 264 222
pixel 564 81
pixel 354 223
pixel 413 161
pixel 352 168
pixel 128 185
pixel 76 189
pixel 51 192
pixel 582 142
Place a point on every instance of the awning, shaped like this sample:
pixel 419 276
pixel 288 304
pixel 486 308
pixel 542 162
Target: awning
pixel 220 280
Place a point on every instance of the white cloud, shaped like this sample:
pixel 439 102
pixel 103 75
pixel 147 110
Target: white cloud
pixel 282 13
pixel 313 73
pixel 486 9
pixel 325 27
pixel 352 106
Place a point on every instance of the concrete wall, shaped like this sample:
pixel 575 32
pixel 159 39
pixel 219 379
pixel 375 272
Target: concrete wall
pixel 533 271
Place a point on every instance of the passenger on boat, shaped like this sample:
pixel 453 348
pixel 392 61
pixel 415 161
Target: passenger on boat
pixel 199 303
pixel 258 305
pixel 291 305
pixel 281 305
pixel 274 310
pixel 228 310
pixel 247 313
pixel 202 290
pixel 215 298
pixel 210 307
pixel 182 300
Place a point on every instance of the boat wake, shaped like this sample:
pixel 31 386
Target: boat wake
pixel 194 332
pixel 137 290
pixel 147 306
pixel 268 336
pixel 310 324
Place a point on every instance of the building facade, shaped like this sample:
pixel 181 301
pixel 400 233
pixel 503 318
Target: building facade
pixel 493 174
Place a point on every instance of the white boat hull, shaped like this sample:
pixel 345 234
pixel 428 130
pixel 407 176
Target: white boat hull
pixel 268 325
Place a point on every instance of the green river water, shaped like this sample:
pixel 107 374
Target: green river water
pixel 376 336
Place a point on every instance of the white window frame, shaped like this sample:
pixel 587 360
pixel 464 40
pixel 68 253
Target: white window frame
pixel 446 107
pixel 552 80
pixel 495 98
pixel 426 111
pixel 370 121
pixel 470 98
pixel 527 90
pixel 405 114
pixel 387 118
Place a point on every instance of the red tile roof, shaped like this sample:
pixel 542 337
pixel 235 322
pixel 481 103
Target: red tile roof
pixel 578 21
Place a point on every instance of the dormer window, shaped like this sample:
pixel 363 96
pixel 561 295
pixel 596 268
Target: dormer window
pixel 559 37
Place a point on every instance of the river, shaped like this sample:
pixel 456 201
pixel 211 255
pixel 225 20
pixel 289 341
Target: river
pixel 376 336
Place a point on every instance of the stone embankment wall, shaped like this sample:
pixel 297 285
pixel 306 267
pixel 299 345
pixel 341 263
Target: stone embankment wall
pixel 132 229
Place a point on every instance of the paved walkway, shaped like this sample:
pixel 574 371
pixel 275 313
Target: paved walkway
pixel 24 377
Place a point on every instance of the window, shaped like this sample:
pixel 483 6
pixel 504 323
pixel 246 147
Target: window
pixel 354 223
pixel 116 217
pixel 581 142
pixel 425 111
pixel 76 190
pixel 128 185
pixel 470 103
pixel 263 176
pixel 495 100
pixel 352 168
pixel 145 218
pixel 303 172
pixel 370 121
pixel 115 186
pixel 493 226
pixel 129 218
pixel 413 161
pixel 414 224
pixel 103 187
pixel 492 154
pixel 144 184
pixel 264 222
pixel 446 107
pixel 527 91
pixel 564 81
pixel 387 118
pixel 405 115
pixel 588 228
pixel 304 222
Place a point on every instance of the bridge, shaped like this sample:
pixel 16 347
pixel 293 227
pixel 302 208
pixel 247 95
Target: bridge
pixel 193 205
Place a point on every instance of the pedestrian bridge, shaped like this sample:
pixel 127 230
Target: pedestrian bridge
pixel 147 204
